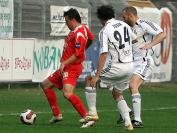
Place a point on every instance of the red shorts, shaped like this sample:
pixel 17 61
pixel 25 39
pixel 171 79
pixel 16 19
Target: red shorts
pixel 70 76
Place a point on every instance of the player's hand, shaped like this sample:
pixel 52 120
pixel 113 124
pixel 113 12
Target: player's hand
pixel 145 47
pixel 61 67
pixel 94 81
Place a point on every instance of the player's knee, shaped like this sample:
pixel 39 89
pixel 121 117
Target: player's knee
pixel 43 85
pixel 119 98
pixel 117 95
pixel 132 85
pixel 67 94
pixel 87 80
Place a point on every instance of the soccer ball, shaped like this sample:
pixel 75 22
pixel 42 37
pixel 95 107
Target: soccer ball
pixel 28 117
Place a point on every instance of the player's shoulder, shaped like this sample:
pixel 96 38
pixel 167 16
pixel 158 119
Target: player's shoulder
pixel 122 23
pixel 80 28
pixel 115 23
pixel 144 22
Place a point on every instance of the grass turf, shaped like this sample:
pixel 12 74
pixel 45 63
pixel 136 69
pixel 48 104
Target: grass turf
pixel 159 111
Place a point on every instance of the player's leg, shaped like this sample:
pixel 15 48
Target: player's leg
pixel 90 93
pixel 68 92
pixel 69 80
pixel 123 108
pixel 47 87
pixel 120 119
pixel 135 83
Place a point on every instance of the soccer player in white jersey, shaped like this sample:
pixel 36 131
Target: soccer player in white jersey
pixel 115 62
pixel 148 35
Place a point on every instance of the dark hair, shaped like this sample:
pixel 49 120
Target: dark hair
pixel 73 14
pixel 130 9
pixel 105 12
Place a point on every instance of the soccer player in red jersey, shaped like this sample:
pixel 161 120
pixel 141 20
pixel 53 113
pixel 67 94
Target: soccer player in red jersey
pixel 66 76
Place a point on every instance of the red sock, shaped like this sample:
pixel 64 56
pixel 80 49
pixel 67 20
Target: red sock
pixel 78 105
pixel 52 99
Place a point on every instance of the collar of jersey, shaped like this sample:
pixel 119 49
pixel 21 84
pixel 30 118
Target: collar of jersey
pixel 77 27
pixel 110 20
pixel 138 20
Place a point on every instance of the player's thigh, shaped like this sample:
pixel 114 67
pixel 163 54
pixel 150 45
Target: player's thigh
pixel 71 74
pixel 68 90
pixel 117 94
pixel 135 81
pixel 56 79
pixel 120 83
pixel 118 76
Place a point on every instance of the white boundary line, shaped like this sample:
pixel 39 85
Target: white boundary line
pixel 151 109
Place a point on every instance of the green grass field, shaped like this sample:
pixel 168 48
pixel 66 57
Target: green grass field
pixel 159 111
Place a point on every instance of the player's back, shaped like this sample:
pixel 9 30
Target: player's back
pixel 119 36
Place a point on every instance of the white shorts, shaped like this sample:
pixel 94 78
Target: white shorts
pixel 143 67
pixel 117 75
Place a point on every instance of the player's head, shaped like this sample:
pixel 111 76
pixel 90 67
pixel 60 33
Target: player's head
pixel 129 15
pixel 72 18
pixel 104 13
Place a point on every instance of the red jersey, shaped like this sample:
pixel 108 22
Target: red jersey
pixel 75 43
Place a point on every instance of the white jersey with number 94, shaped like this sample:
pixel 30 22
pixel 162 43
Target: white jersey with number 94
pixel 116 39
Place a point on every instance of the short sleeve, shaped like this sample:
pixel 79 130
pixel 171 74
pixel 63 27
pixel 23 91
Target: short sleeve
pixel 89 34
pixel 80 44
pixel 151 28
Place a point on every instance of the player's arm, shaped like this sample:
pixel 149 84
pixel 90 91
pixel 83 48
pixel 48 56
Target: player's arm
pixel 70 60
pixel 101 62
pixel 80 46
pixel 155 30
pixel 103 38
pixel 158 38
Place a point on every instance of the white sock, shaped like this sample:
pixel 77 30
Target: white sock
pixel 123 108
pixel 90 93
pixel 136 100
pixel 129 110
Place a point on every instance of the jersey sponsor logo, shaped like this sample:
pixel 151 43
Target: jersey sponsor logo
pixel 126 52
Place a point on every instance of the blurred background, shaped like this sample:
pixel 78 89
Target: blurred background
pixel 32 36
pixel 35 29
